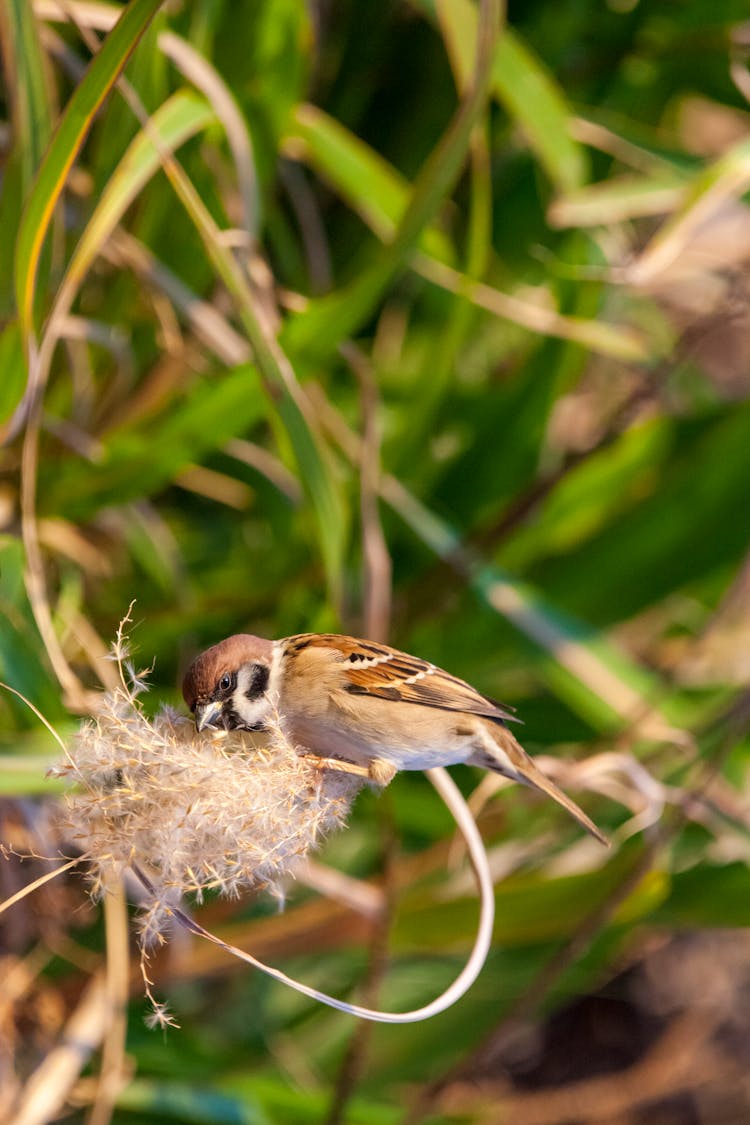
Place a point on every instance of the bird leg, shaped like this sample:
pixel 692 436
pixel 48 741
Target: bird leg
pixel 378 771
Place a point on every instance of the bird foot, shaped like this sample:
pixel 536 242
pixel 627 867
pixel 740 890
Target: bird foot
pixel 379 772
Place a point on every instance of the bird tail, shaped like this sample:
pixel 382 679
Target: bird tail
pixel 505 755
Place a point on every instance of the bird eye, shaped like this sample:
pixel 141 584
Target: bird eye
pixel 225 682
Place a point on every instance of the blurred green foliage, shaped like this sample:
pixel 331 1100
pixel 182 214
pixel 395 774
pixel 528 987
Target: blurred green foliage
pixel 533 319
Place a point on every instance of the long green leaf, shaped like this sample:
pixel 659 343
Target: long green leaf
pixel 30 97
pixel 369 184
pixel 179 118
pixel 525 87
pixel 139 462
pixel 597 680
pixel 379 195
pixel 65 144
pixel 326 322
pixel 30 104
pixel 683 524
pixel 13 371
pixel 280 383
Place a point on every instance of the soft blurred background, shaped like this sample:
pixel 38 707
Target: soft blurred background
pixel 323 320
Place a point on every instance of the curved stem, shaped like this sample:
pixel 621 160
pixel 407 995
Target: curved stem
pixel 458 808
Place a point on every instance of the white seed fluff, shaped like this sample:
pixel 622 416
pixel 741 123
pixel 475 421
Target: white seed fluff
pixel 232 811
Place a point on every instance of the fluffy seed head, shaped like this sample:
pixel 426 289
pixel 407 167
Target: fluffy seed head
pixel 230 811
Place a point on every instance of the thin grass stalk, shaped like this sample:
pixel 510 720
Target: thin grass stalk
pixel 112 1069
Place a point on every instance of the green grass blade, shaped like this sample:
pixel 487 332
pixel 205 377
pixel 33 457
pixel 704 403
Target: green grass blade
pixel 594 678
pixel 178 119
pixel 379 195
pixel 280 383
pixel 31 119
pixel 138 461
pixel 65 144
pixel 206 78
pixel 525 87
pixel 331 319
pixel 370 185
pixel 32 114
pixel 14 372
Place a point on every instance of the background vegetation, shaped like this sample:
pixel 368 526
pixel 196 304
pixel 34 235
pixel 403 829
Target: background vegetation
pixel 319 319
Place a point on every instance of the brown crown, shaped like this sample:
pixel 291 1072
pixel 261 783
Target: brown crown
pixel 227 656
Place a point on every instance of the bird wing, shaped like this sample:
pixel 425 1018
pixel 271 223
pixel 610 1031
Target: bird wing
pixel 382 672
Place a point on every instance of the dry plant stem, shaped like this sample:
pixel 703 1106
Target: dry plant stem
pixel 30 887
pixel 457 806
pixel 536 318
pixel 45 722
pixel 111 1072
pixel 597 136
pixel 364 898
pixel 269 466
pixel 354 1063
pixel 34 579
pixel 377 613
pixel 212 329
pixel 195 67
pixel 20 978
pixel 44 1094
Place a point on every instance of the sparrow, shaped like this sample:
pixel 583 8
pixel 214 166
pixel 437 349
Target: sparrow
pixel 360 707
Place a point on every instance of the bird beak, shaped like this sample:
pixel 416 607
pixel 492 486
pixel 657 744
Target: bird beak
pixel 208 715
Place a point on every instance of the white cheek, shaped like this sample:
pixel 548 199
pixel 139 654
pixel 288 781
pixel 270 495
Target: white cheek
pixel 254 710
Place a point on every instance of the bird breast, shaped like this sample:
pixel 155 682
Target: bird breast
pixel 360 729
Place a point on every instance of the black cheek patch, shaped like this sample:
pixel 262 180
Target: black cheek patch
pixel 259 681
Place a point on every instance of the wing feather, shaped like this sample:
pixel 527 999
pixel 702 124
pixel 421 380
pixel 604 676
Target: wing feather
pixel 383 672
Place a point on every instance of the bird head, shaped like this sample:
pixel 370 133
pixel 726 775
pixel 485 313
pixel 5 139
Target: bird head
pixel 227 685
